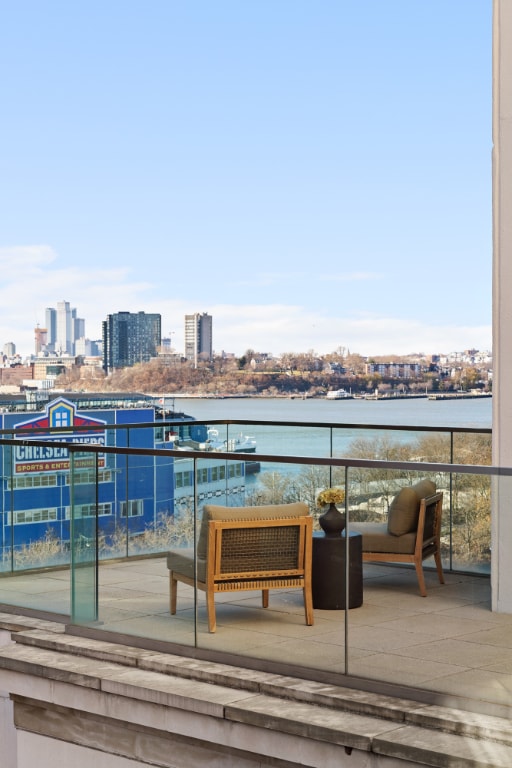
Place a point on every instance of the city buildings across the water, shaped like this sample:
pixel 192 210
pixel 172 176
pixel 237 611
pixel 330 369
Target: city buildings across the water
pixel 130 338
pixel 198 337
pixel 63 329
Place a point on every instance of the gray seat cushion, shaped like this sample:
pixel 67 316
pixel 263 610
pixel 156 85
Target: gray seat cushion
pixel 182 561
pixel 377 539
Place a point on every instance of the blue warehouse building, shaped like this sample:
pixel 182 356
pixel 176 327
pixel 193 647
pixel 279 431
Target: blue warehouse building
pixel 133 492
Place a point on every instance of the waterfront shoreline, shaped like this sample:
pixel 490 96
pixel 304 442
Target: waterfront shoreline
pixel 256 396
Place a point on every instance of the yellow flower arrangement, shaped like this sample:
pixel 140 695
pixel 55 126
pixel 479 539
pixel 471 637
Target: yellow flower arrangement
pixel 330 496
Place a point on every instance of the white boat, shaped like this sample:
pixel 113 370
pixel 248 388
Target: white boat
pixel 239 444
pixel 337 394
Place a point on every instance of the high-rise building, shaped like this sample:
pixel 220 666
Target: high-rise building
pixel 198 337
pixel 129 338
pixel 63 328
pixel 51 326
pixel 41 339
pixel 78 329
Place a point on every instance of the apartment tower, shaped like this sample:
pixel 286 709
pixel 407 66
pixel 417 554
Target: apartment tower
pixel 198 337
pixel 129 338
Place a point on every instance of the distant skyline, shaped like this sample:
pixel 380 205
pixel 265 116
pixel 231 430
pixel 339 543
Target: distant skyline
pixel 312 175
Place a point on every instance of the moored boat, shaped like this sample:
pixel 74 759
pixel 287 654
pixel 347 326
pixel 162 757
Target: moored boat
pixel 239 444
pixel 337 394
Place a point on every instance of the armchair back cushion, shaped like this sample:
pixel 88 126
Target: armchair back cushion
pixel 267 512
pixel 405 507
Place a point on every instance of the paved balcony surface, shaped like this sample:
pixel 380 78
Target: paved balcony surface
pixel 449 642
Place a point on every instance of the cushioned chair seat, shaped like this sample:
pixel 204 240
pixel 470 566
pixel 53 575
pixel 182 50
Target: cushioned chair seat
pixel 377 539
pixel 182 561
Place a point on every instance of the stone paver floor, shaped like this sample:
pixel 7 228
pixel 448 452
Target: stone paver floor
pixel 449 642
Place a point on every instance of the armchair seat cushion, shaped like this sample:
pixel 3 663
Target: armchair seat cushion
pixel 182 561
pixel 377 539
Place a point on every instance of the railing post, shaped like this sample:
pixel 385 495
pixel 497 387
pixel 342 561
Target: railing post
pixel 347 567
pixel 84 557
pixel 451 501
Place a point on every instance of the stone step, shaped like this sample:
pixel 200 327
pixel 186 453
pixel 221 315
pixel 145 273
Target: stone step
pixel 304 720
pixel 408 722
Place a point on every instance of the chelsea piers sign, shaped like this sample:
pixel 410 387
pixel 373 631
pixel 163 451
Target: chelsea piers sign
pixel 62 415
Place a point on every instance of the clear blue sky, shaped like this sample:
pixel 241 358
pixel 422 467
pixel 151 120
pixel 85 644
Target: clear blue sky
pixel 314 174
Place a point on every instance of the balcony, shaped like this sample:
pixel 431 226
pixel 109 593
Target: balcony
pixel 112 582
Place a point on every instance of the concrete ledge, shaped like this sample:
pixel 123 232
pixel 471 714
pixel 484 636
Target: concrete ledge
pixel 333 697
pixel 221 707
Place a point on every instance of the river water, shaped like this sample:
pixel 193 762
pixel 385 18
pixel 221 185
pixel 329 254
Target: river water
pixel 351 415
pixel 456 412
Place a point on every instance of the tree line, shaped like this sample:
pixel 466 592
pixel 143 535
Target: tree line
pixel 300 375
pixel 370 491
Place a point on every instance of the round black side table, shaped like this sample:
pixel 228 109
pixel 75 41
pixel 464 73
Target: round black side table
pixel 328 572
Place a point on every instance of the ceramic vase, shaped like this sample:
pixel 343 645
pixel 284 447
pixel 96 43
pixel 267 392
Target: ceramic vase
pixel 332 521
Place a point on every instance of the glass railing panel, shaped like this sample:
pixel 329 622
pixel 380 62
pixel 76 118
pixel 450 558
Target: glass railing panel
pixel 472 448
pixel 470 532
pixel 392 445
pixel 388 634
pixel 280 440
pixel 83 489
pixel 279 483
pixel 244 626
pixel 145 523
pixel 35 552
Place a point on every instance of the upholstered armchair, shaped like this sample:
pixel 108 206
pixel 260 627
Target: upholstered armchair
pixel 411 533
pixel 247 548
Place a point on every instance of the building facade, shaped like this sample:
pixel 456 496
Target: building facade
pixel 40 339
pixel 38 484
pixel 198 337
pixel 394 370
pixel 129 338
pixel 51 328
pixel 63 328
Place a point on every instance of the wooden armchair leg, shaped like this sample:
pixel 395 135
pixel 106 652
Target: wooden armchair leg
pixel 439 567
pixel 308 606
pixel 421 578
pixel 264 598
pixel 210 609
pixel 173 593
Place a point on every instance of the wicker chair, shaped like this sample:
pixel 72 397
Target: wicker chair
pixel 411 534
pixel 247 548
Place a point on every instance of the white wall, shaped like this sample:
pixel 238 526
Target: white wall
pixel 36 751
pixel 502 304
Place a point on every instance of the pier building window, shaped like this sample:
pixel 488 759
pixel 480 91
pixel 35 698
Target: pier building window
pixel 89 510
pixel 133 508
pixel 24 516
pixel 89 476
pixel 219 473
pixel 202 475
pixel 183 479
pixel 32 481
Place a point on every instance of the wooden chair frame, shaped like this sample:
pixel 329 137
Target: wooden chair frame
pixel 268 572
pixel 428 535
